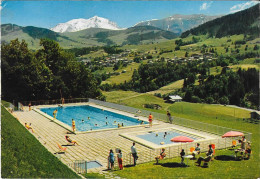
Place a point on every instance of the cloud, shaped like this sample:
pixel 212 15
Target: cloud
pixel 2 5
pixel 205 6
pixel 240 7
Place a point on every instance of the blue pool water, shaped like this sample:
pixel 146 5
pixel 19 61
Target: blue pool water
pixel 158 137
pixel 94 118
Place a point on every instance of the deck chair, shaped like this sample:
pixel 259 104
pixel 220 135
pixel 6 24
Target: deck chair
pixel 61 149
pixel 206 161
pixel 70 142
pixel 234 143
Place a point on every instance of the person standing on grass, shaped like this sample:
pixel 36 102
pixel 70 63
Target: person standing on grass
pixel 182 156
pixel 111 159
pixel 150 119
pixel 170 117
pixel 120 159
pixel 73 125
pixel 243 143
pixel 134 153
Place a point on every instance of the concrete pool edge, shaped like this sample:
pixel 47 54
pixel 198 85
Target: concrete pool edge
pixel 67 127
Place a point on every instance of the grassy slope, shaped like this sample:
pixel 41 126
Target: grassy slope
pixel 22 156
pixel 123 76
pixel 169 88
pixel 226 117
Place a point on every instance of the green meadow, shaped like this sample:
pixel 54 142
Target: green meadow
pixel 23 156
pixel 213 114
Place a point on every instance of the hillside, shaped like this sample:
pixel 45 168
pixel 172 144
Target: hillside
pixel 243 22
pixel 85 38
pixel 178 23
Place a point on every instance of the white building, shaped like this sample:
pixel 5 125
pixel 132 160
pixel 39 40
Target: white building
pixel 175 98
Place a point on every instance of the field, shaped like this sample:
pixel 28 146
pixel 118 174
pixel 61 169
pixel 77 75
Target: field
pixel 123 76
pixel 22 156
pixel 214 114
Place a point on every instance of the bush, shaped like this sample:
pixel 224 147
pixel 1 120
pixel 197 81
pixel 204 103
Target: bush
pixel 195 99
pixel 224 100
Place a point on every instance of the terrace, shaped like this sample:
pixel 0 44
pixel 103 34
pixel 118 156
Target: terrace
pixel 95 145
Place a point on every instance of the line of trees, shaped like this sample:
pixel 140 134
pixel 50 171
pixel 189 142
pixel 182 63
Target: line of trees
pixel 44 74
pixel 237 88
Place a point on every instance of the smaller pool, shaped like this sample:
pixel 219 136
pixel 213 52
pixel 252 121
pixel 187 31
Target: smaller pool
pixel 159 138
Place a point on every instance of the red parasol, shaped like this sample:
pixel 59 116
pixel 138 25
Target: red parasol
pixel 181 139
pixel 233 134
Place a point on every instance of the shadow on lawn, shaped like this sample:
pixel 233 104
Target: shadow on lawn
pixel 172 165
pixel 227 158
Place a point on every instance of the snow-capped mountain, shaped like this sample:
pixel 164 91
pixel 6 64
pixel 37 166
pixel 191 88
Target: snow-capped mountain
pixel 178 23
pixel 81 24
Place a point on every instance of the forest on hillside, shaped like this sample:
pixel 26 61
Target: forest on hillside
pixel 45 74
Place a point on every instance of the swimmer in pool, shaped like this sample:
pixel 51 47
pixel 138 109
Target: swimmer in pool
pixel 106 123
pixel 165 134
pixel 88 118
pixel 114 121
pixel 82 120
pixel 96 125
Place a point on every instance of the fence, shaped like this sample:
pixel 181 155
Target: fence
pixel 214 129
pixel 50 102
pixel 80 166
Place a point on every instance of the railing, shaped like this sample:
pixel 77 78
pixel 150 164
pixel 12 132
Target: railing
pixel 79 166
pixel 51 102
pixel 214 129
pixel 174 151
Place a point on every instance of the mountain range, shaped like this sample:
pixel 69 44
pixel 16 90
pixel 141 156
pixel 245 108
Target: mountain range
pixel 178 23
pixel 243 22
pixel 99 33
pixel 87 37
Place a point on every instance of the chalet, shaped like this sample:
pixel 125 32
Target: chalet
pixel 255 115
pixel 174 98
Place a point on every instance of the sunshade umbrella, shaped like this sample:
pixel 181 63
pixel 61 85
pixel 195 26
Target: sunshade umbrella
pixel 181 139
pixel 232 134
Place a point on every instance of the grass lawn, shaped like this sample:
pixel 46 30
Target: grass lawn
pixel 169 88
pixel 22 156
pixel 214 114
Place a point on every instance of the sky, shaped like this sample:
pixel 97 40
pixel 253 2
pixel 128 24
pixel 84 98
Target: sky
pixel 48 14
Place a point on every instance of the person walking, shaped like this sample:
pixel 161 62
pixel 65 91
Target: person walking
pixel 170 117
pixel 120 159
pixel 134 153
pixel 150 119
pixel 73 125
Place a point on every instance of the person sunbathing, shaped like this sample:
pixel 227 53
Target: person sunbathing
pixel 71 141
pixel 28 126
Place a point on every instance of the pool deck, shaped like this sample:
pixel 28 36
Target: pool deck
pixel 94 145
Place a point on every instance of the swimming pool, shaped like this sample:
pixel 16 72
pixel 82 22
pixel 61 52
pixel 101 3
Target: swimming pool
pixel 160 138
pixel 88 118
pixel 155 138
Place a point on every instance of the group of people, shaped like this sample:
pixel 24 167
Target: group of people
pixel 150 118
pixel 245 148
pixel 111 157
